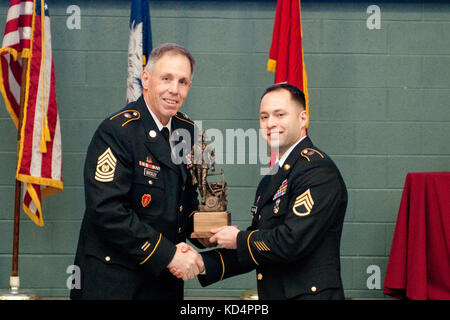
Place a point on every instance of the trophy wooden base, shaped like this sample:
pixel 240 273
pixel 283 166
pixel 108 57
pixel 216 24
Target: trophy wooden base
pixel 204 221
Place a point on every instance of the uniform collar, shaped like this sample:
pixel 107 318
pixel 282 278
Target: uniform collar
pixel 157 122
pixel 275 180
pixel 288 152
pixel 154 140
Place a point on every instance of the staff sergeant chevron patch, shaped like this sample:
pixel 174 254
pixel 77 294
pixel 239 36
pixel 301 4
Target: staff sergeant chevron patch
pixel 303 204
pixel 106 166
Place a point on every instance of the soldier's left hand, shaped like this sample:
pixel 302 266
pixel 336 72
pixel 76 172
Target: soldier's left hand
pixel 225 236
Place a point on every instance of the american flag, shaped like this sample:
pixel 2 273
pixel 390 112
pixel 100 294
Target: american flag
pixel 39 161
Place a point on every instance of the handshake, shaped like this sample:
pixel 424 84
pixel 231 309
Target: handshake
pixel 187 263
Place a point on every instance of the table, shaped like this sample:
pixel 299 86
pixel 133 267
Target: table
pixel 419 262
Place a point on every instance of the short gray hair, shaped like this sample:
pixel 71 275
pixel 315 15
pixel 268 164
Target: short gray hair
pixel 162 49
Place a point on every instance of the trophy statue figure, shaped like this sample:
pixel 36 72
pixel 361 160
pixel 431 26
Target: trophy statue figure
pixel 212 210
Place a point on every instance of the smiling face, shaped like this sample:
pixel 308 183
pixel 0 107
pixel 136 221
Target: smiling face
pixel 282 120
pixel 166 85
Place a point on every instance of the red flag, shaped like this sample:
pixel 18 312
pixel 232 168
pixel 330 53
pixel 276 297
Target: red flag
pixel 39 166
pixel 286 52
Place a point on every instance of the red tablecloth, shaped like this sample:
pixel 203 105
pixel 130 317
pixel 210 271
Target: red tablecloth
pixel 419 262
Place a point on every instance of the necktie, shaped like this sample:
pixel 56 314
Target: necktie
pixel 165 133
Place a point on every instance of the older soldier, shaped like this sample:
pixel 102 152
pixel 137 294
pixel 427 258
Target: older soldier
pixel 137 199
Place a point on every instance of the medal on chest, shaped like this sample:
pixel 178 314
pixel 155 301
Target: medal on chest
pixel 281 190
pixel 276 207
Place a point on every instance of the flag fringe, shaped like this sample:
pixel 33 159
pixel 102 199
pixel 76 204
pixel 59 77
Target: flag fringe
pixel 272 65
pixel 45 136
pixel 11 51
pixel 48 182
pixel 9 107
pixel 37 219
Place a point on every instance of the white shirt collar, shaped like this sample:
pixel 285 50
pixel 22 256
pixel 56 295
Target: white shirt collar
pixel 158 123
pixel 286 154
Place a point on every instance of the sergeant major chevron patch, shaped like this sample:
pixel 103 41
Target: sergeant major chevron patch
pixel 106 166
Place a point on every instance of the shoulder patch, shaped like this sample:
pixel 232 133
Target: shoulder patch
pixel 106 166
pixel 127 116
pixel 309 153
pixel 303 204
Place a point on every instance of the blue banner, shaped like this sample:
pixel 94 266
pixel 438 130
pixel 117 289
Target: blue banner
pixel 139 46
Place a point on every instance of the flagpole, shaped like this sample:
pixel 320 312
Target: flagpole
pixel 14 280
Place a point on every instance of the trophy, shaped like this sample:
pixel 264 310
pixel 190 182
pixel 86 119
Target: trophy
pixel 212 211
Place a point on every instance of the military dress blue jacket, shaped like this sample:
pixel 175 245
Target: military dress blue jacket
pixel 138 202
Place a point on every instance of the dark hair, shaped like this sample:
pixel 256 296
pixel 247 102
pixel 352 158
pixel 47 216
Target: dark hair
pixel 296 94
pixel 160 50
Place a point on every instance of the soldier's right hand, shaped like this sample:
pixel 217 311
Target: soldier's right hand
pixel 187 262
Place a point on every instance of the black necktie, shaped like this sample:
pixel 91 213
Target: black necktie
pixel 165 134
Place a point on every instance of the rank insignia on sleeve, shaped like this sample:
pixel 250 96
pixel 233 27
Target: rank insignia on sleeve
pixel 303 204
pixel 145 246
pixel 261 246
pixel 281 190
pixel 146 198
pixel 106 166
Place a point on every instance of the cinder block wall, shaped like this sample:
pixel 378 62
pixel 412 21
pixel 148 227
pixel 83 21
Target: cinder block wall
pixel 378 105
